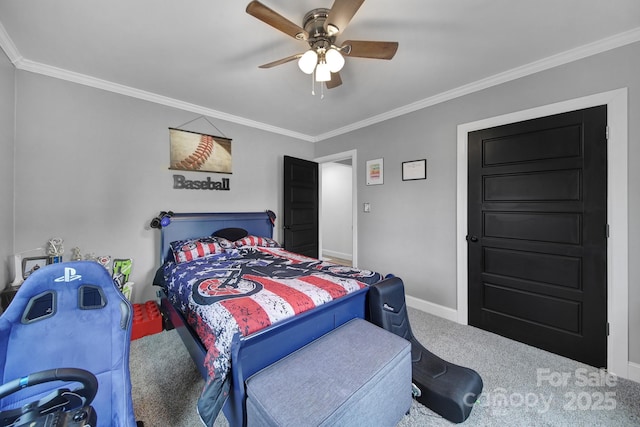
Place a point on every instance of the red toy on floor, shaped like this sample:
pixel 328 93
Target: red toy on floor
pixel 147 320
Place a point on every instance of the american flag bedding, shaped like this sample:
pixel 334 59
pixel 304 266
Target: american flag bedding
pixel 245 290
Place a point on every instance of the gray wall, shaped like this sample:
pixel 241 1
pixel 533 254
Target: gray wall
pixel 92 168
pixel 416 220
pixel 7 114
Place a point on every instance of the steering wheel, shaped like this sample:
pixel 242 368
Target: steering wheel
pixel 62 399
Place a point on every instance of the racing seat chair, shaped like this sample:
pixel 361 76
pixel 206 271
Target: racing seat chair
pixel 70 315
pixel 447 389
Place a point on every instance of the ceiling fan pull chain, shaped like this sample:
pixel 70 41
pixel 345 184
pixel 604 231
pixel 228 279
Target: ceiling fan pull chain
pixel 321 90
pixel 313 83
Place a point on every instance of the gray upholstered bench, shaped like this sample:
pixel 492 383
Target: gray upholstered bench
pixel 356 375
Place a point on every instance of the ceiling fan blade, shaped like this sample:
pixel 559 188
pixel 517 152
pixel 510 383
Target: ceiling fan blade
pixel 277 21
pixel 281 61
pixel 369 49
pixel 335 81
pixel 340 14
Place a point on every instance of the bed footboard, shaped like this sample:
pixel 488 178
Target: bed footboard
pixel 259 350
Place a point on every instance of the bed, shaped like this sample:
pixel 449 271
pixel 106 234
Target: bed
pixel 245 345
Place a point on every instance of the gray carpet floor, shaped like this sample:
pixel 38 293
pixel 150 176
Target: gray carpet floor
pixel 523 386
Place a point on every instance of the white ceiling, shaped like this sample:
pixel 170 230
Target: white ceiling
pixel 203 56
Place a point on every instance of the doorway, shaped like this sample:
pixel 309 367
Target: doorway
pixel 617 203
pixel 336 212
pixel 340 163
pixel 537 232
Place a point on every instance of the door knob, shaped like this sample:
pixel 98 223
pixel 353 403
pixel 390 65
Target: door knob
pixel 472 239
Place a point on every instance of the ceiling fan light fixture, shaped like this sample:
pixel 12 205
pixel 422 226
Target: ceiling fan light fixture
pixel 323 73
pixel 307 62
pixel 335 60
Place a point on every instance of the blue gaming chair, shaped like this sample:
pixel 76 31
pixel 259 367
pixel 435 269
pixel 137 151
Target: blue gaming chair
pixel 70 315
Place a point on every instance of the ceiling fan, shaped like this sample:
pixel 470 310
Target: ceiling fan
pixel 320 28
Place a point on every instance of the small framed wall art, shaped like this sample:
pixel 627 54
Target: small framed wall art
pixel 414 169
pixel 31 264
pixel 375 172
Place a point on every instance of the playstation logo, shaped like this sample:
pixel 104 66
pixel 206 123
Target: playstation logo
pixel 69 275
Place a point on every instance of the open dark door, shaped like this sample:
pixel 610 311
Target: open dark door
pixel 300 216
pixel 537 233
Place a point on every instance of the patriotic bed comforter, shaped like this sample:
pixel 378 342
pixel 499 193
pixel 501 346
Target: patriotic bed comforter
pixel 245 290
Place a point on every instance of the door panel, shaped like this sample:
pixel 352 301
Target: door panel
pixel 533 307
pixel 537 221
pixel 541 227
pixel 542 144
pixel 541 268
pixel 538 186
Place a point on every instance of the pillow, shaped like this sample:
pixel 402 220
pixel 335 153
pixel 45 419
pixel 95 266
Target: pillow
pixel 190 249
pixel 264 242
pixel 231 233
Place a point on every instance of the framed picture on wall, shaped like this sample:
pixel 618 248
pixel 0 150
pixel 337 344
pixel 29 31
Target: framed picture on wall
pixel 31 264
pixel 198 152
pixel 375 172
pixel 415 169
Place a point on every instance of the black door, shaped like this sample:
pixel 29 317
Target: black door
pixel 300 215
pixel 537 233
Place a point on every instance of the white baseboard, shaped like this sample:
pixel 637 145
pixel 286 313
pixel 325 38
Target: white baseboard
pixel 634 372
pixel 336 254
pixel 431 308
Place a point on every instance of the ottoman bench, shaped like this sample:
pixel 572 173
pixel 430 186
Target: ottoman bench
pixel 356 375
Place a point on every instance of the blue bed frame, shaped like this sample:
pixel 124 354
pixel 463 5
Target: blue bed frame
pixel 256 351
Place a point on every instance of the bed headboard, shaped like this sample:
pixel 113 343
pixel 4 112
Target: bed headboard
pixel 191 225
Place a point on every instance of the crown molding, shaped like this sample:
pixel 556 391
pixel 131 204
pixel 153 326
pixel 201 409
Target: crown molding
pixel 7 45
pixel 562 58
pixel 83 79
